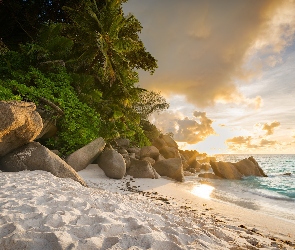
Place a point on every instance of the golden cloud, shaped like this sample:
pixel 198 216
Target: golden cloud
pixel 188 130
pixel 204 47
pixel 265 142
pixel 245 142
pixel 269 128
pixel 240 140
pixel 240 143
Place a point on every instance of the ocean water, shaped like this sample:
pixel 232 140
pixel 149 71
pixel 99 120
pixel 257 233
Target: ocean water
pixel 274 194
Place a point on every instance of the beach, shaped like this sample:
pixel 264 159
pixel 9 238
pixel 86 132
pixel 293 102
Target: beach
pixel 41 211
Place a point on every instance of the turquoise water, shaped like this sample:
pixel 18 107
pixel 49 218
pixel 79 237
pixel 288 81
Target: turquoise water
pixel 274 194
pixel 275 166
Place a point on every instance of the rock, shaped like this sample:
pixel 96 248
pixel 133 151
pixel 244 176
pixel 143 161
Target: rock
pixel 196 165
pixel 132 155
pixel 49 129
pixel 19 124
pixel 185 165
pixel 142 169
pixel 149 159
pixel 207 159
pixel 160 158
pixel 257 165
pixel 81 158
pixel 34 156
pixel 149 151
pixel 112 163
pixel 49 125
pixel 123 142
pixel 127 160
pixel 169 141
pixel 169 152
pixel 159 143
pixel 226 170
pixel 192 160
pixel 55 151
pixel 191 154
pixel 245 167
pixel 124 155
pixel 209 176
pixel 135 150
pixel 184 156
pixel 249 167
pixel 122 151
pixel 205 166
pixel 171 168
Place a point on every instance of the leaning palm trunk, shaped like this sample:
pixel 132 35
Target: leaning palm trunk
pixel 49 117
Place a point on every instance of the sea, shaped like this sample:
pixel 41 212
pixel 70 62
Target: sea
pixel 274 195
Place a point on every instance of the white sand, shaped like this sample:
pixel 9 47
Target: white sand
pixel 40 211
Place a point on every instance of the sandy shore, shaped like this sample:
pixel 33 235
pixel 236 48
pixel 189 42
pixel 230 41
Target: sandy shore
pixel 40 211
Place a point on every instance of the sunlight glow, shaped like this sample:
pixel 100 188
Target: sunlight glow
pixel 203 191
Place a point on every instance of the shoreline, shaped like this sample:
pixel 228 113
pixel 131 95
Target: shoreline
pixel 39 210
pixel 178 196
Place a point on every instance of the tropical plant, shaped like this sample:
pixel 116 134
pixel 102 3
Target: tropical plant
pixel 84 60
pixel 150 102
pixel 79 124
pixel 106 42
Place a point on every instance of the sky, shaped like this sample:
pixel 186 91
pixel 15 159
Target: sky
pixel 227 68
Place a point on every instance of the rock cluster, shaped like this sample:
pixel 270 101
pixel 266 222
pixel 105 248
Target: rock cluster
pixel 120 159
pixel 194 162
pixel 20 124
pixel 161 158
pixel 238 170
pixel 34 156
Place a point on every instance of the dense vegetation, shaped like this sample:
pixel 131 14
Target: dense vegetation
pixel 81 56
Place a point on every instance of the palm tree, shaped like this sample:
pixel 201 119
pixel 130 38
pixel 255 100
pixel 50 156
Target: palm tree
pixel 101 44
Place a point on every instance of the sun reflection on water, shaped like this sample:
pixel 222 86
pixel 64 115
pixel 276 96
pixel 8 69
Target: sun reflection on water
pixel 203 191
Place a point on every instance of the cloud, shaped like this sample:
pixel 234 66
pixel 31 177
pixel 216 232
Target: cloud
pixel 239 143
pixel 204 47
pixel 240 140
pixel 255 103
pixel 269 128
pixel 188 130
pixel 265 142
pixel 166 121
pixel 192 131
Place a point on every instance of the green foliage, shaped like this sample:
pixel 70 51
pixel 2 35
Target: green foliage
pixel 150 130
pixel 150 102
pixel 6 93
pixel 78 126
pixel 107 42
pixel 82 59
pixel 106 47
pixel 52 42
